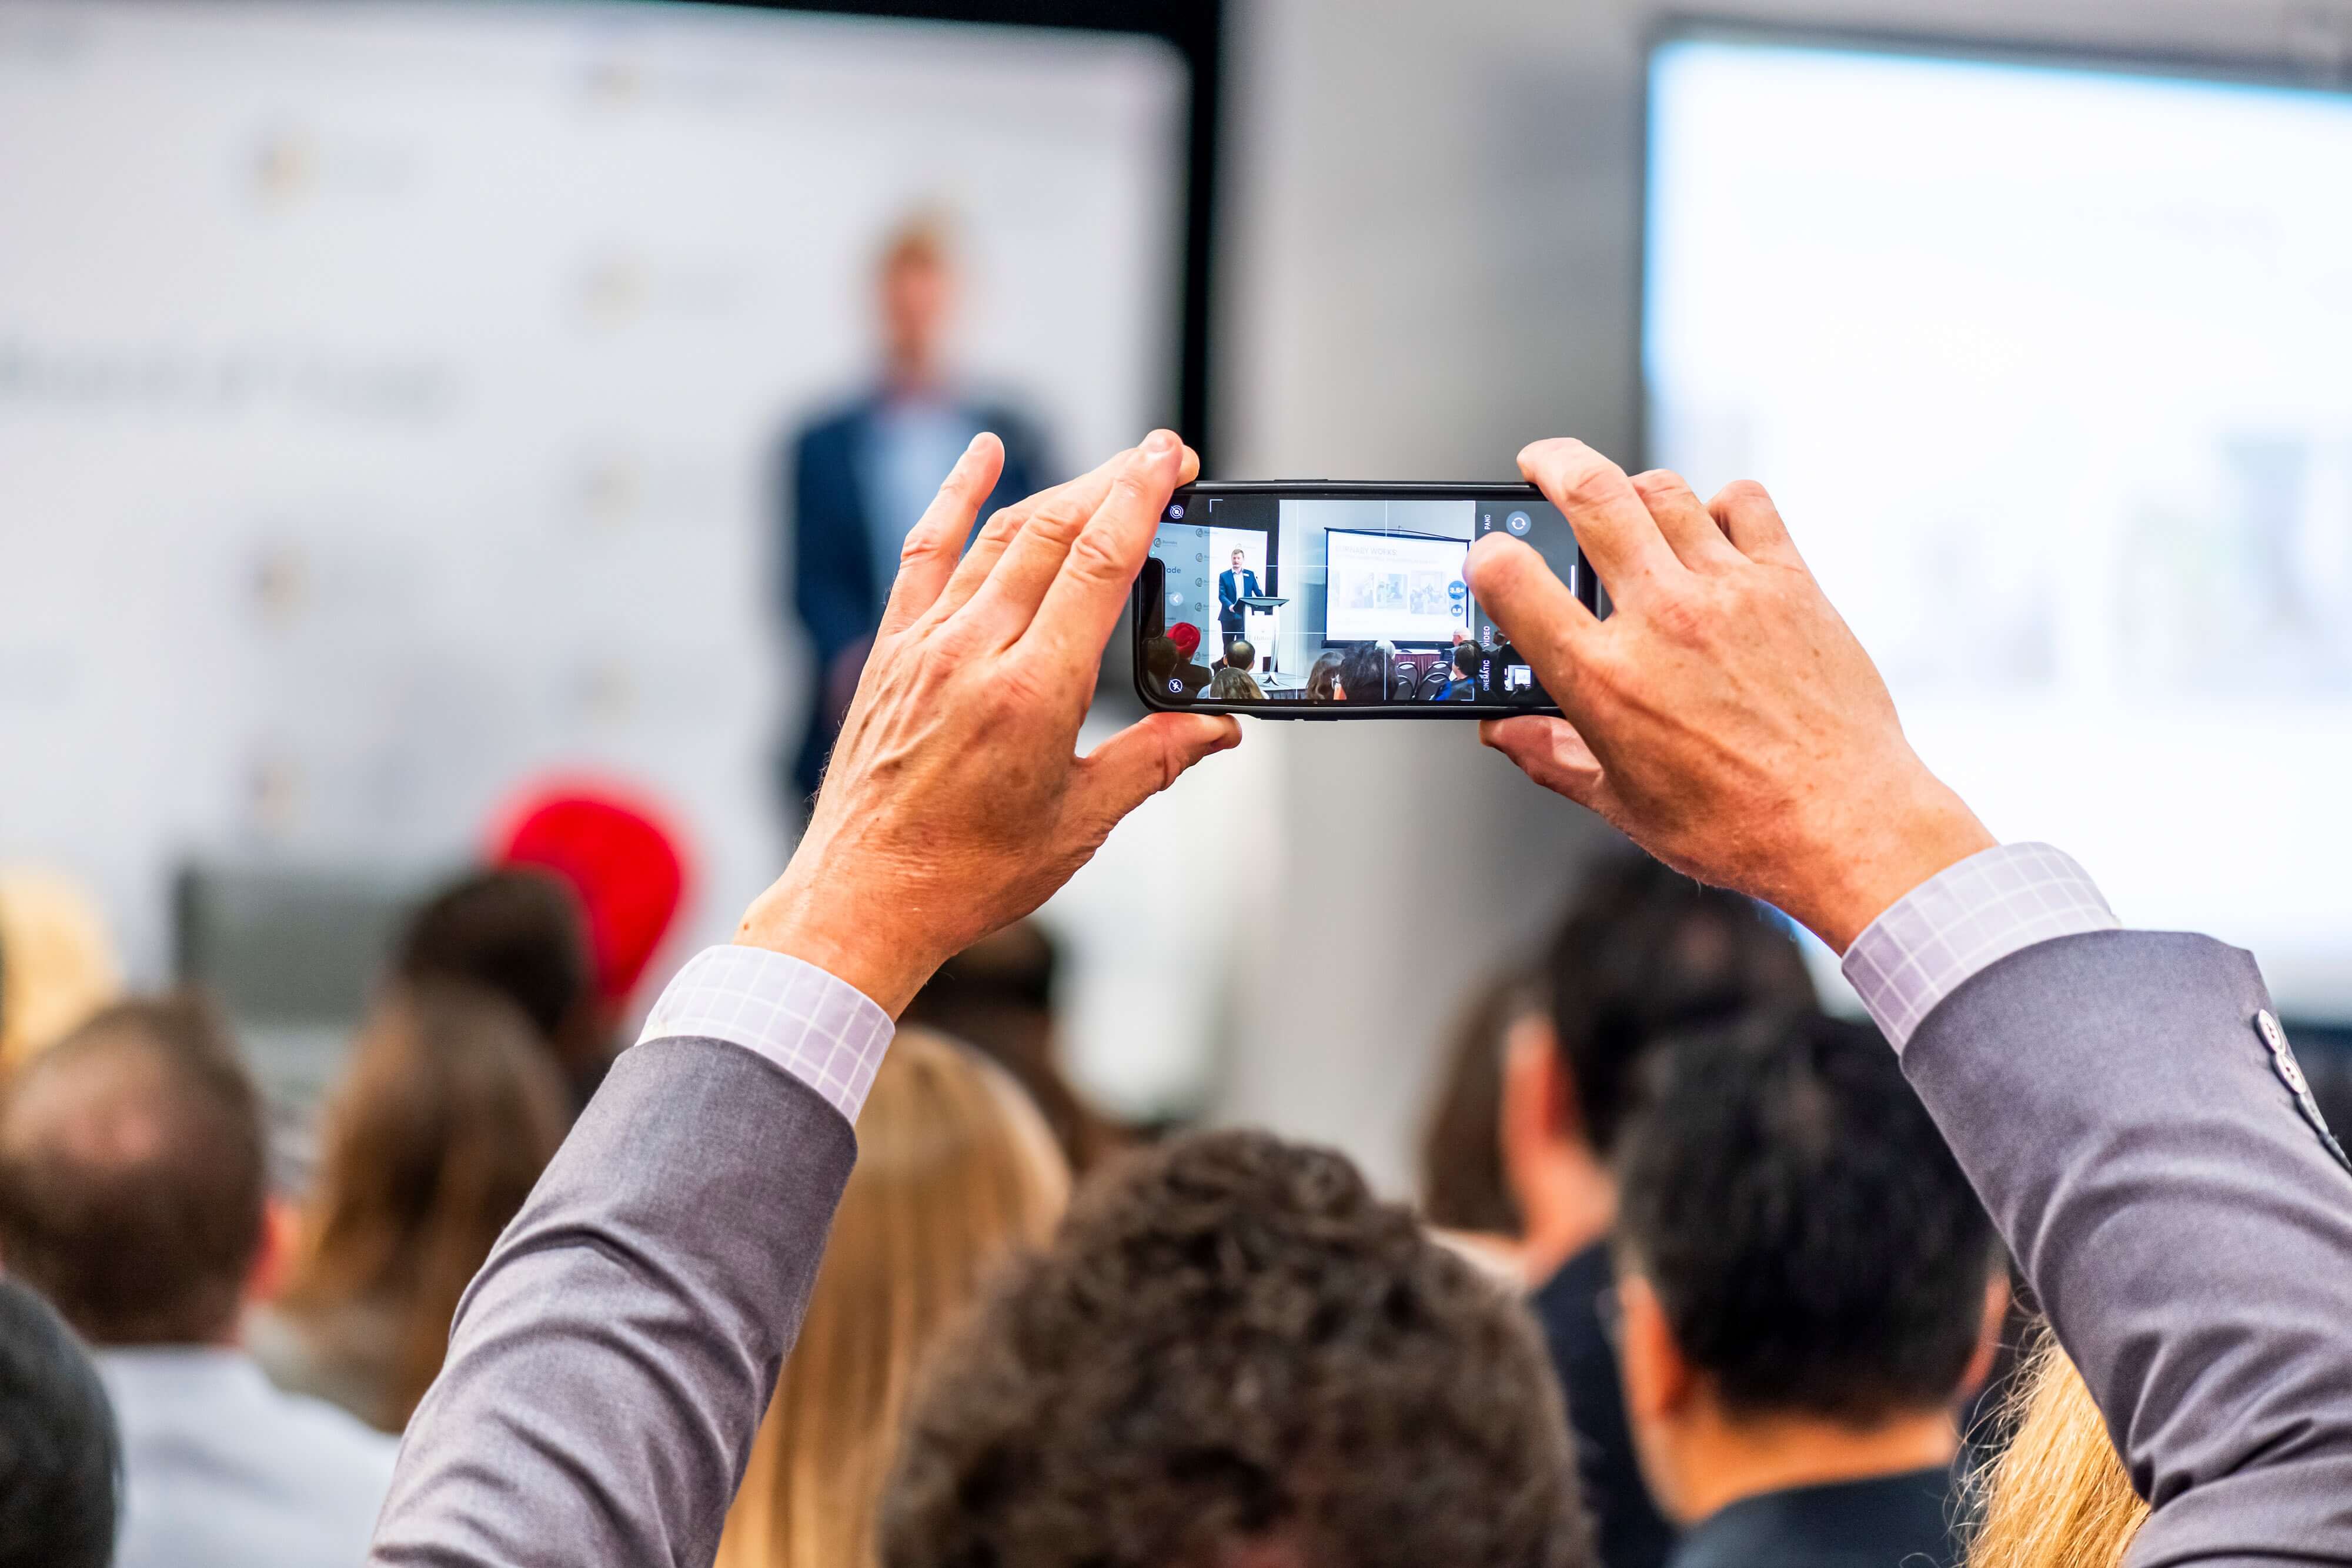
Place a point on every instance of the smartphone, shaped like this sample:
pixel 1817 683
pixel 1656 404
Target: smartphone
pixel 1308 599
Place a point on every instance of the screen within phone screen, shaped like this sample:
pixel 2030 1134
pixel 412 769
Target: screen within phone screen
pixel 1262 598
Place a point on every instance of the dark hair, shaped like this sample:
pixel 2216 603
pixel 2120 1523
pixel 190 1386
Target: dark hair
pixel 1240 655
pixel 515 931
pixel 60 1459
pixel 1462 1186
pixel 1644 952
pixel 132 1174
pixel 1232 1341
pixel 1810 1237
pixel 1467 656
pixel 1159 657
pixel 1324 674
pixel 1366 671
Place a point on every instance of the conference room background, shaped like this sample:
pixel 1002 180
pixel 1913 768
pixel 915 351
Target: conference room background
pixel 1395 246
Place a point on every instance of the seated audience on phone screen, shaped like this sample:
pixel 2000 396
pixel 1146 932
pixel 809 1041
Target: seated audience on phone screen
pixel 1461 687
pixel 1160 664
pixel 1368 673
pixel 1241 654
pixel 519 931
pixel 1323 677
pixel 59 1455
pixel 2056 1496
pixel 1807 1287
pixel 1233 1354
pixel 1189 668
pixel 132 1194
pixel 956 1173
pixel 444 1118
pixel 1641 953
pixel 1232 685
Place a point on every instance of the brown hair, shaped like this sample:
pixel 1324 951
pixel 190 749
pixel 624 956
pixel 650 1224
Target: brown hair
pixel 1232 1350
pixel 132 1176
pixel 2057 1497
pixel 446 1115
pixel 955 1171
pixel 1462 1186
pixel 57 965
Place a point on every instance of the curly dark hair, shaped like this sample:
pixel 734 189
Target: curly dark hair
pixel 1233 1347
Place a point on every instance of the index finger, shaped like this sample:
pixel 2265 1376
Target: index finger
pixel 1075 617
pixel 1611 522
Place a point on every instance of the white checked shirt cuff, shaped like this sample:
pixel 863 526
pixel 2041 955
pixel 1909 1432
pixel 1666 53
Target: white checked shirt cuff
pixel 1964 919
pixel 824 1031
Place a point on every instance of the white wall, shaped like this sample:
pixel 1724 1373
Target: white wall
pixel 1430 255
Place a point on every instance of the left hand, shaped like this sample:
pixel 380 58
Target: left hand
pixel 954 803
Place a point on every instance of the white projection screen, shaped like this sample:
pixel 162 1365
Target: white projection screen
pixel 2045 364
pixel 392 394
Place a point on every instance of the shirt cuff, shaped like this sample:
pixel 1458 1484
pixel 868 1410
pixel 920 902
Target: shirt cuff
pixel 824 1031
pixel 1966 918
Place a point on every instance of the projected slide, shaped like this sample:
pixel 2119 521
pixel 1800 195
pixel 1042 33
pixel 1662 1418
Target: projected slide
pixel 1385 587
pixel 2047 373
pixel 391 396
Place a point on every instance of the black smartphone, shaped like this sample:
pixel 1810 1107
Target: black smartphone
pixel 1309 599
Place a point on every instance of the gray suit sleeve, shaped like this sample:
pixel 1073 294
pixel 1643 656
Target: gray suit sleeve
pixel 2191 1237
pixel 610 1364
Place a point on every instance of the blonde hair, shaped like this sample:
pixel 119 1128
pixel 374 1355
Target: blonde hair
pixel 57 965
pixel 2058 1497
pixel 955 1172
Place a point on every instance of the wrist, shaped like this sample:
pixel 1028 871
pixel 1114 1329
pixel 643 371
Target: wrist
pixel 1903 841
pixel 831 934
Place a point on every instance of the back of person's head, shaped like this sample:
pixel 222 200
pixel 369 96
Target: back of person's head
pixel 60 1458
pixel 1231 686
pixel 1808 1242
pixel 1644 952
pixel 132 1179
pixel 1323 677
pixel 449 1111
pixel 1463 1185
pixel 1159 658
pixel 1241 654
pixel 517 931
pixel 1187 638
pixel 57 963
pixel 1466 659
pixel 1233 1352
pixel 2057 1497
pixel 955 1173
pixel 1365 674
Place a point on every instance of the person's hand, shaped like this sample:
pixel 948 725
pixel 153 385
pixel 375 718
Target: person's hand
pixel 953 804
pixel 1723 716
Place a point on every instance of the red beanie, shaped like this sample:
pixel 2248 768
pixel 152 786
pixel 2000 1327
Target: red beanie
pixel 621 860
pixel 1186 636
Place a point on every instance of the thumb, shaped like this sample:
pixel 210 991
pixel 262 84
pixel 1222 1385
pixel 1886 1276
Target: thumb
pixel 1550 752
pixel 1141 761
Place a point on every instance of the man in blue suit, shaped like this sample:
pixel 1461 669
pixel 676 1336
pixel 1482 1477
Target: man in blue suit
pixel 860 477
pixel 1234 584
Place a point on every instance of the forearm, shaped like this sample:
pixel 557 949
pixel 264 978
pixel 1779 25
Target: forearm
pixel 609 1367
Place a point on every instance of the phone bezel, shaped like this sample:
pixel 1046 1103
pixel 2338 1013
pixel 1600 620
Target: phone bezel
pixel 1587 590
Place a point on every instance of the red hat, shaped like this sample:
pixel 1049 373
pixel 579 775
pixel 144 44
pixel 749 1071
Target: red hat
pixel 1186 636
pixel 617 855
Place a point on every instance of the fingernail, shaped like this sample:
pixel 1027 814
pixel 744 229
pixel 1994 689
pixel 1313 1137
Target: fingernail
pixel 1160 443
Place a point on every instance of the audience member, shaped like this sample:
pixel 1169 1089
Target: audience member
pixel 1462 1186
pixel 1642 953
pixel 131 1192
pixel 448 1114
pixel 2056 1496
pixel 955 1173
pixel 998 996
pixel 57 965
pixel 1323 684
pixel 1462 686
pixel 60 1459
pixel 1232 685
pixel 1807 1285
pixel 521 932
pixel 624 863
pixel 1366 675
pixel 1241 654
pixel 1233 1354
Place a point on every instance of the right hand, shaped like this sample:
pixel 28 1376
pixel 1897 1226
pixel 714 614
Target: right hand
pixel 1723 716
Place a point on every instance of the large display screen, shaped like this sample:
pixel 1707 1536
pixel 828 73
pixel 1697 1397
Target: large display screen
pixel 1397 587
pixel 395 399
pixel 2046 366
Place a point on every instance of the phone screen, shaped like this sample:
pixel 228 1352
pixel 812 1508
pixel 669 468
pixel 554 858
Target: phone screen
pixel 1343 598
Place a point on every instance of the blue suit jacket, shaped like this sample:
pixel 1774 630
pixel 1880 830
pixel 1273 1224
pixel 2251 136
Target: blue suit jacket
pixel 1229 594
pixel 828 583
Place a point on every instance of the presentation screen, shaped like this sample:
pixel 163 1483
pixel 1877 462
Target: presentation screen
pixel 395 397
pixel 1394 588
pixel 2045 364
